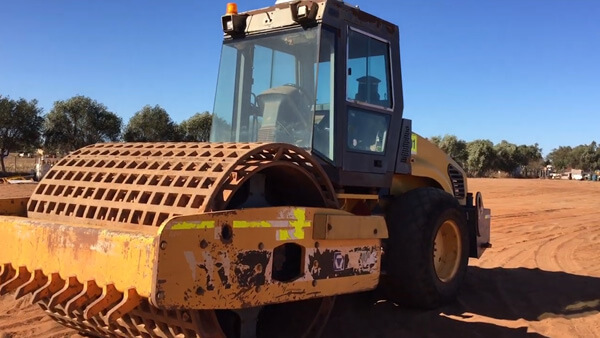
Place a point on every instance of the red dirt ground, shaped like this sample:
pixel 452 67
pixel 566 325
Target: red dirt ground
pixel 540 278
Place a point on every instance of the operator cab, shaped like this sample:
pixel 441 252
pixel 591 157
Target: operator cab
pixel 317 75
pixel 266 88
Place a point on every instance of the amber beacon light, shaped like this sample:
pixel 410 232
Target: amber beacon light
pixel 233 23
pixel 231 8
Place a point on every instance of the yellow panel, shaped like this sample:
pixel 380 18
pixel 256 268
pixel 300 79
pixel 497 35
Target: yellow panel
pixel 105 255
pixel 232 265
pixel 349 227
pixel 429 168
pixel 431 162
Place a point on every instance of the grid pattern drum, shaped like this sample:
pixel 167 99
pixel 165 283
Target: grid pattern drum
pixel 141 184
pixel 145 183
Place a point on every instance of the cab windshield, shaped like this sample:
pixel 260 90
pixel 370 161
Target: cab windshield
pixel 267 89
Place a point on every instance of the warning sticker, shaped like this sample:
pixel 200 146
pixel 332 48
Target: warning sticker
pixel 413 146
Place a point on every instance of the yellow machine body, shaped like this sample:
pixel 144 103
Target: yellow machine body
pixel 98 254
pixel 287 206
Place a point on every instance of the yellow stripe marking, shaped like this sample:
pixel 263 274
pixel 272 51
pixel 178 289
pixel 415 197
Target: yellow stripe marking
pixel 194 225
pixel 299 224
pixel 251 224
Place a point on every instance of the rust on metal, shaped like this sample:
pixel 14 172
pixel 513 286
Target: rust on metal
pixel 130 301
pixel 110 297
pixel 37 280
pixel 14 206
pixel 14 280
pixel 71 288
pixel 109 255
pixel 53 284
pixel 88 293
pixel 271 257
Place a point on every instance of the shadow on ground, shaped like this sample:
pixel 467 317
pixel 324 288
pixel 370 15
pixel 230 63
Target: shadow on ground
pixel 504 294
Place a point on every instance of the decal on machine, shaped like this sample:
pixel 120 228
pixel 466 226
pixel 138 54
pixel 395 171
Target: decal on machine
pixel 212 267
pixel 338 261
pixel 289 226
pixel 194 225
pixel 250 268
pixel 215 271
pixel 342 262
pixel 297 225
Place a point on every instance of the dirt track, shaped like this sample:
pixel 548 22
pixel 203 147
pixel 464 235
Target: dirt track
pixel 541 278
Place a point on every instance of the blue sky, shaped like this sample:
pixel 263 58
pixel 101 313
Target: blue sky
pixel 522 70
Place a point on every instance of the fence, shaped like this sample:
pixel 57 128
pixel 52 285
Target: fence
pixel 23 165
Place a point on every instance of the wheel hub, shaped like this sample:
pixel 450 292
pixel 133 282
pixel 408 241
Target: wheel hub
pixel 446 250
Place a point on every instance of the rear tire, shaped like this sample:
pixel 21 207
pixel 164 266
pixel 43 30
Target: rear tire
pixel 427 252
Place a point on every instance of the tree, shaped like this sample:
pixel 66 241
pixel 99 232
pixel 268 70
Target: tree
pixel 197 127
pixel 78 122
pixel 455 148
pixel 587 156
pixel 481 157
pixel 437 140
pixel 507 157
pixel 151 124
pixel 532 159
pixel 584 156
pixel 561 157
pixel 20 126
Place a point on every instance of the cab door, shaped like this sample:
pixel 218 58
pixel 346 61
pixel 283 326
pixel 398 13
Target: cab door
pixel 369 105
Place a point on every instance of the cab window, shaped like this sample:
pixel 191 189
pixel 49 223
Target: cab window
pixel 367 131
pixel 368 70
pixel 323 129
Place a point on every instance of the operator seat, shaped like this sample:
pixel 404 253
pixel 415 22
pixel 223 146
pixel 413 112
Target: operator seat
pixel 286 112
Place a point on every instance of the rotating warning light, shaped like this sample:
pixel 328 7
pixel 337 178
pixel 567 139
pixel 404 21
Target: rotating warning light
pixel 231 8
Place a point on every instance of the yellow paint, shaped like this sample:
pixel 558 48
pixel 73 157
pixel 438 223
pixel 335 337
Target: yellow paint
pixel 177 266
pixel 251 224
pixel 413 143
pixel 194 225
pixel 429 168
pixel 297 232
pixel 107 255
pixel 299 224
pixel 284 235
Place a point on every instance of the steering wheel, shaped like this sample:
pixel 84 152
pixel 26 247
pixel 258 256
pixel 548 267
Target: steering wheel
pixel 307 103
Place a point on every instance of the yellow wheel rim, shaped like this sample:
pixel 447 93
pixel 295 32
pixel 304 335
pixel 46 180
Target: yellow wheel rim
pixel 446 250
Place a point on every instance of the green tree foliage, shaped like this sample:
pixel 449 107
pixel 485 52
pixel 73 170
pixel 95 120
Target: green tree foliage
pixel 508 157
pixel 455 148
pixel 197 127
pixel 78 122
pixel 481 157
pixel 590 157
pixel 531 159
pixel 575 157
pixel 585 157
pixel 151 124
pixel 561 157
pixel 518 160
pixel 20 126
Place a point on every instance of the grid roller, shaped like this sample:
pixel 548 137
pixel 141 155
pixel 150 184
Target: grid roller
pixel 146 183
pixel 141 184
